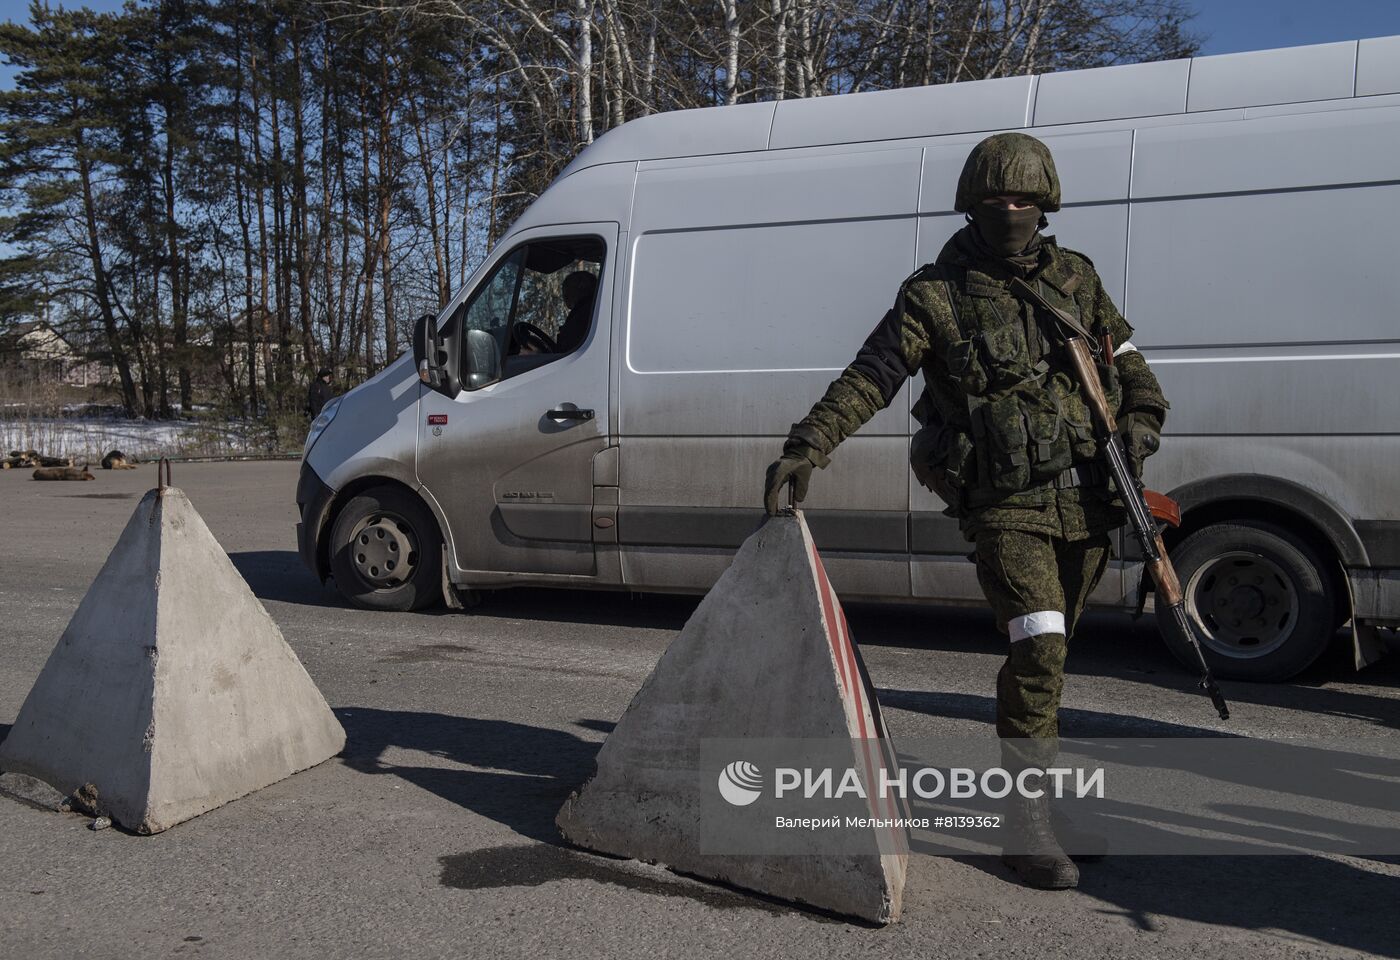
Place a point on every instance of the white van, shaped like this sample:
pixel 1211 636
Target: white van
pixel 1240 209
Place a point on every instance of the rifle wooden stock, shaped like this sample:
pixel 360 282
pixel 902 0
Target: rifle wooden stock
pixel 1164 575
pixel 1088 373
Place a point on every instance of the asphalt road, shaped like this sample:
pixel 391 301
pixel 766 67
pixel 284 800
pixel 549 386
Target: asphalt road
pixel 432 834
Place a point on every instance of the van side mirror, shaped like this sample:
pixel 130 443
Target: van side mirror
pixel 435 353
pixel 482 359
pixel 424 342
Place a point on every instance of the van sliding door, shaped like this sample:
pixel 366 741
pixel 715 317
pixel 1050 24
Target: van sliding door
pixel 753 282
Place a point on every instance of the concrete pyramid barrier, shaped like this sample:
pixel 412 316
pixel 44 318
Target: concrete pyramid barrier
pixel 172 691
pixel 767 654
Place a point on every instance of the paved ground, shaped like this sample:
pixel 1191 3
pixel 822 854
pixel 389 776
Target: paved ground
pixel 432 835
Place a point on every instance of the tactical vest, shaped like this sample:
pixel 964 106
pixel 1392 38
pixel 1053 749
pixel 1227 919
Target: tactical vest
pixel 1024 423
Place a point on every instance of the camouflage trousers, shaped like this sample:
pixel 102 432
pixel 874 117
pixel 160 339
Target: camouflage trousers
pixel 1037 585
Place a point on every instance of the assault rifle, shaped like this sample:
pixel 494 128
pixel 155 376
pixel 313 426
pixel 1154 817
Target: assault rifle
pixel 1171 604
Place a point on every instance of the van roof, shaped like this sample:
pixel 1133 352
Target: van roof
pixel 1325 71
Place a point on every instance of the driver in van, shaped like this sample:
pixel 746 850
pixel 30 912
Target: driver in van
pixel 578 289
pixel 1007 443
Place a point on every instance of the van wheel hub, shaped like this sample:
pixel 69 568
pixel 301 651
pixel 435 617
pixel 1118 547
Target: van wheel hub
pixel 1244 603
pixel 383 550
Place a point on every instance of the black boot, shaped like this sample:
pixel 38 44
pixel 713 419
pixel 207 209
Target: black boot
pixel 1031 849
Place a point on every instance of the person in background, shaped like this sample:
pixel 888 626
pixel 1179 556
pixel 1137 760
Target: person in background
pixel 320 391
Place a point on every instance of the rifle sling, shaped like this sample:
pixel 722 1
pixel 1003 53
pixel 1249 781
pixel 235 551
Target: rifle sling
pixel 1024 291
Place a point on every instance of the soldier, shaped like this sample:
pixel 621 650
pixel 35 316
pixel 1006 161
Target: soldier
pixel 1007 440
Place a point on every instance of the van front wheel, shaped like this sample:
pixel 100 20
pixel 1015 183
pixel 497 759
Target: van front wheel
pixel 1259 598
pixel 385 549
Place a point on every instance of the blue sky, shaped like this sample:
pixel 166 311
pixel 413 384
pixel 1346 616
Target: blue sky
pixel 1235 25
pixel 1229 25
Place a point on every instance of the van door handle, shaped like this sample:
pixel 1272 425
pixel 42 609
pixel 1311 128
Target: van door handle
pixel 569 413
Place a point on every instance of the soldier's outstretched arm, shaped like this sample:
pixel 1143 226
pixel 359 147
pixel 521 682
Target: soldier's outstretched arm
pixel 892 353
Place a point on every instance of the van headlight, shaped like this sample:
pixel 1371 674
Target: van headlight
pixel 319 425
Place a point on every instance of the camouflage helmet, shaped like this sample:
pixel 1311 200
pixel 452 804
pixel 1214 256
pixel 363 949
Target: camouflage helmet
pixel 1008 163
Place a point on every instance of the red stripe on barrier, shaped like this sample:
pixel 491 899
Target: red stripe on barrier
pixel 838 634
pixel 879 804
pixel 841 644
pixel 848 668
pixel 829 615
pixel 859 692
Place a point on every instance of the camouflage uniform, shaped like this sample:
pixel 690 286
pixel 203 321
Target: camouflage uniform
pixel 1008 442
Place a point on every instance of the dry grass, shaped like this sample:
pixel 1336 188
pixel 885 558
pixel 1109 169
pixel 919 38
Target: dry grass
pixel 81 424
pixel 82 439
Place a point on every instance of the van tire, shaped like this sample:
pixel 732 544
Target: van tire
pixel 1259 597
pixel 392 527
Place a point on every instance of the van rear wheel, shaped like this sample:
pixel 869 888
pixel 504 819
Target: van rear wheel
pixel 1259 597
pixel 385 547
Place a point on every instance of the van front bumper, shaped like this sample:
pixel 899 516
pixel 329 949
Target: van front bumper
pixel 313 502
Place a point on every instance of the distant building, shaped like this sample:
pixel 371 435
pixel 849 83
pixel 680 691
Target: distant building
pixel 36 350
pixel 35 342
pixel 228 346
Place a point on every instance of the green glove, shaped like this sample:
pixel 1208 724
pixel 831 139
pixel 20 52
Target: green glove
pixel 1142 436
pixel 795 466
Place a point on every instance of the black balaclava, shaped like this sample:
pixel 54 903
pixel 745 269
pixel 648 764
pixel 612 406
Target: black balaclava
pixel 1006 232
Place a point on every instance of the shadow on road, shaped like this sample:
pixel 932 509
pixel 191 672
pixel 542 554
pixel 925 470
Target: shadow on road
pixel 278 575
pixel 1330 687
pixel 536 864
pixel 529 773
pixel 603 607
pixel 1325 900
pixel 1113 645
pixel 1355 777
pixel 1073 722
pixel 1322 898
pixel 1108 644
pixel 1315 900
pixel 1324 689
pixel 522 776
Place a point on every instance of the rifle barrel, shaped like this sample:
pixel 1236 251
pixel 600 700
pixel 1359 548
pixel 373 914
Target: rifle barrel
pixel 1208 684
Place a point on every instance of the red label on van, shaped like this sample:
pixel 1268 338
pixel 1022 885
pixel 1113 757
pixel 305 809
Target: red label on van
pixel 436 419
